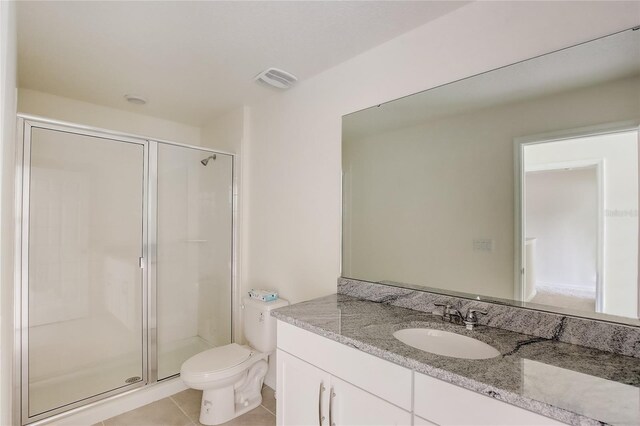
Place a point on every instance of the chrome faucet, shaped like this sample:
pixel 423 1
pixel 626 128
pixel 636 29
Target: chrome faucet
pixel 453 315
pixel 456 317
pixel 471 319
pixel 445 316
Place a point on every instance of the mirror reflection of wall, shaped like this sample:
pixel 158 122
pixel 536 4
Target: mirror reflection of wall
pixel 429 182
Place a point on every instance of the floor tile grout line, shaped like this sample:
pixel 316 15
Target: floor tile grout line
pixel 269 411
pixel 264 386
pixel 181 410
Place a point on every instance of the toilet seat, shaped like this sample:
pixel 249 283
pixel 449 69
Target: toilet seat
pixel 219 363
pixel 217 359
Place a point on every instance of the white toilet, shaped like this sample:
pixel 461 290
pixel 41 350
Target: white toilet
pixel 231 376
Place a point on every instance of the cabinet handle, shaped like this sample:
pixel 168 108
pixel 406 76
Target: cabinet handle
pixel 331 395
pixel 320 416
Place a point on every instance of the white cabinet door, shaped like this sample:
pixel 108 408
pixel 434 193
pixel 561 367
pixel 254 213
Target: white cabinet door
pixel 352 406
pixel 302 393
pixel 307 395
pixel 375 375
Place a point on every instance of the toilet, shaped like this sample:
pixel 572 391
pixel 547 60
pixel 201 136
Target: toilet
pixel 231 376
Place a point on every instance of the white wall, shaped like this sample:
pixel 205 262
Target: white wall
pixel 8 95
pixel 294 167
pixel 619 153
pixel 226 132
pixel 88 114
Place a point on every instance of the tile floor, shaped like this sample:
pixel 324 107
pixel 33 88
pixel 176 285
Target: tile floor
pixel 183 409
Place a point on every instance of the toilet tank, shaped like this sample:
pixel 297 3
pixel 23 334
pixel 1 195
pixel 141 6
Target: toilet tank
pixel 259 325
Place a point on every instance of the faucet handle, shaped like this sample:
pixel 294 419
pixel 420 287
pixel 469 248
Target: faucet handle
pixel 471 319
pixel 445 311
pixel 447 307
pixel 471 313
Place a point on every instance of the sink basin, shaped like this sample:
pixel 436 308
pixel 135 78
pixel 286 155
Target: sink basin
pixel 445 343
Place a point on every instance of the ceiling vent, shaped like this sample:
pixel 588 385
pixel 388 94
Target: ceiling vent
pixel 277 78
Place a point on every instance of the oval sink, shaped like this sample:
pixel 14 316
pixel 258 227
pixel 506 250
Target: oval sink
pixel 445 343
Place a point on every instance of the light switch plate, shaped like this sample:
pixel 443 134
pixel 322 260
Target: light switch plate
pixel 482 244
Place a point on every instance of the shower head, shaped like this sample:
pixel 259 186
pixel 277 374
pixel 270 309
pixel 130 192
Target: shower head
pixel 206 160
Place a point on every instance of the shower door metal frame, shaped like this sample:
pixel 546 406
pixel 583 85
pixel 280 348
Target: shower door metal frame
pixel 152 265
pixel 26 124
pixel 149 252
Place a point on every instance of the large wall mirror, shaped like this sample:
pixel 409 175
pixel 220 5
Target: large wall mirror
pixel 519 185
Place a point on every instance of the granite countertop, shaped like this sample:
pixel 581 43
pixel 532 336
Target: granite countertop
pixel 570 383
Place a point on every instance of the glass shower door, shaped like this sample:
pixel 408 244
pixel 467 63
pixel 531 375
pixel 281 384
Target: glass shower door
pixel 194 252
pixel 83 295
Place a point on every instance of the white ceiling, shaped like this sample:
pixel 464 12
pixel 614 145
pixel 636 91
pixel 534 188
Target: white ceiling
pixel 196 60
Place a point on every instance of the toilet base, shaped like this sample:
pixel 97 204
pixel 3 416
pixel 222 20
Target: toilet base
pixel 218 406
pixel 227 402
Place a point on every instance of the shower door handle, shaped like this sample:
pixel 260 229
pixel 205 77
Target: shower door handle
pixel 320 416
pixel 141 262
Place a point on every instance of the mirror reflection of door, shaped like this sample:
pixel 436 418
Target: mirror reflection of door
pixel 580 215
pixel 562 236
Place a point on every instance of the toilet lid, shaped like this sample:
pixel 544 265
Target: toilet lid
pixel 217 359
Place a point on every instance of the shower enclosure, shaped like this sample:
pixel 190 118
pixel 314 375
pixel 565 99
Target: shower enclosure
pixel 126 263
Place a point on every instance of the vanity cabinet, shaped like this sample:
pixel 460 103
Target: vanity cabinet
pixel 323 382
pixel 308 395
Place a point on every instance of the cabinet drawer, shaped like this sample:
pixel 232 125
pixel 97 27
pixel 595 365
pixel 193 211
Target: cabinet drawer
pixel 447 404
pixel 382 378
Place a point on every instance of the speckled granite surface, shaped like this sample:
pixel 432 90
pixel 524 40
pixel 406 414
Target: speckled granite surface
pixel 617 338
pixel 570 383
